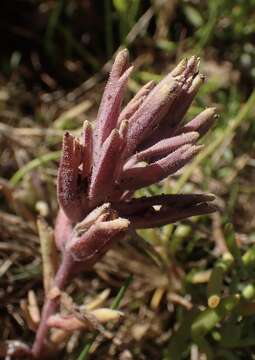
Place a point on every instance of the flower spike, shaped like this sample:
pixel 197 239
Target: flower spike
pixel 129 148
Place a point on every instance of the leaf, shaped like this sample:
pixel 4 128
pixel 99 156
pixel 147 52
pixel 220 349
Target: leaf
pixel 121 5
pixel 193 16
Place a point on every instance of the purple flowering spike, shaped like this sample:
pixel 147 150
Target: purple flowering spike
pixel 102 179
pixel 202 122
pixel 68 191
pixel 141 176
pixel 97 178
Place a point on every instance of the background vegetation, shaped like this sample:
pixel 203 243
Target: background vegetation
pixel 192 286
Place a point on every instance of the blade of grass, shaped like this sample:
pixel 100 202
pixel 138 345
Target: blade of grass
pixel 41 160
pixel 73 113
pixel 116 302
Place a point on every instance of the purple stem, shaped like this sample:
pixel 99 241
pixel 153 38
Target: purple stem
pixel 51 305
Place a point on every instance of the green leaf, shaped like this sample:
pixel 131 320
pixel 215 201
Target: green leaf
pixel 193 16
pixel 121 5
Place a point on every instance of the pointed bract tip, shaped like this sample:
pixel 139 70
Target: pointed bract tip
pixel 192 135
pixel 104 207
pixel 124 52
pixel 67 134
pixel 212 208
pixel 120 65
pixel 119 224
pixel 197 81
pixel 68 141
pixel 193 63
pixel 198 63
pixel 123 128
pixel 191 150
pixel 92 218
pixel 169 88
pixel 149 85
pixel 197 148
pixel 179 69
pixel 115 133
pixel 184 148
pixel 210 197
pixel 122 56
pixel 191 68
pixel 210 112
pixel 213 108
pixel 214 112
pixel 86 124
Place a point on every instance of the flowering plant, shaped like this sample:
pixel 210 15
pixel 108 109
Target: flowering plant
pixel 129 149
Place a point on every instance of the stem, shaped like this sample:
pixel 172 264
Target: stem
pixel 50 305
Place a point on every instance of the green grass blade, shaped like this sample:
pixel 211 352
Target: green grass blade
pixel 42 160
